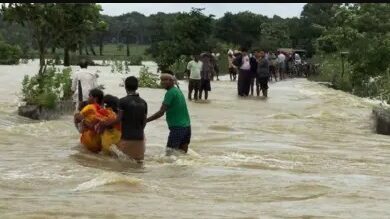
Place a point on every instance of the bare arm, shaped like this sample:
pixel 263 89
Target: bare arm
pixel 158 114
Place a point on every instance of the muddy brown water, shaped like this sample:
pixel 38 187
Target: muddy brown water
pixel 306 152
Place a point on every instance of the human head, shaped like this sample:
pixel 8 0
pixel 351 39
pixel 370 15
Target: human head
pixel 167 81
pixel 111 101
pixel 196 58
pixel 131 84
pixel 261 53
pixel 83 63
pixel 244 51
pixel 257 53
pixel 95 96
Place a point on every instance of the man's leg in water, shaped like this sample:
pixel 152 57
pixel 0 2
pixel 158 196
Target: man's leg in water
pixel 252 81
pixel 190 88
pixel 178 139
pixel 186 139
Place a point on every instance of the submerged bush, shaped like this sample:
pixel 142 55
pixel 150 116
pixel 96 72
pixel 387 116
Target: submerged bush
pixel 135 60
pixel 9 55
pixel 148 79
pixel 48 88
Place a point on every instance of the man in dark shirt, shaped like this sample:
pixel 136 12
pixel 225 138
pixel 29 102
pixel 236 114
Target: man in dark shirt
pixel 132 114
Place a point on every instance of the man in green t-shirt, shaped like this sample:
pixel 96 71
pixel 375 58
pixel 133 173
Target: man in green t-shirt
pixel 178 118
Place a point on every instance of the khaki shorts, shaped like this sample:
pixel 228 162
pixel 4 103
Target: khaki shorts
pixel 133 148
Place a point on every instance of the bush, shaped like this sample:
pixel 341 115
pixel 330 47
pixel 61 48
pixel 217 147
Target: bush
pixel 148 79
pixel 48 88
pixel 135 60
pixel 179 67
pixel 9 55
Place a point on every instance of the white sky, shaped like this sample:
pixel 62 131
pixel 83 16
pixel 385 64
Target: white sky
pixel 218 9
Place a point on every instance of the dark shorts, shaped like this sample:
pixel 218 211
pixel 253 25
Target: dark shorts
pixel 263 81
pixel 232 71
pixel 179 136
pixel 194 84
pixel 205 84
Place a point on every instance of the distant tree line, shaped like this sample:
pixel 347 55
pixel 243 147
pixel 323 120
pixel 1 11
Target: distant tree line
pixel 81 27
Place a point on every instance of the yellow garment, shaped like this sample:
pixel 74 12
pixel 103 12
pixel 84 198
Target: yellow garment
pixel 110 136
pixel 93 141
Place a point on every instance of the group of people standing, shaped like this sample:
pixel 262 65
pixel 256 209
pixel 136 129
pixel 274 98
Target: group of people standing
pixel 201 70
pixel 252 70
pixel 116 126
pixel 257 68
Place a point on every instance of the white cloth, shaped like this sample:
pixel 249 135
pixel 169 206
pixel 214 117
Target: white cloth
pixel 297 59
pixel 245 63
pixel 88 81
pixel 281 58
pixel 195 68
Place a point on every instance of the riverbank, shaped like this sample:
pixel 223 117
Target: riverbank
pixel 331 72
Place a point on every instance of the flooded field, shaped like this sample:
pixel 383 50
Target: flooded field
pixel 306 152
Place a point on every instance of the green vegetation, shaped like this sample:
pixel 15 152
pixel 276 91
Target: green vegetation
pixel 48 88
pixel 148 79
pixel 9 55
pixel 362 33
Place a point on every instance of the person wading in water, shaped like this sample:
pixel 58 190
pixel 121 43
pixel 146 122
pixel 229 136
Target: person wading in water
pixel 262 72
pixel 132 115
pixel 177 116
pixel 195 68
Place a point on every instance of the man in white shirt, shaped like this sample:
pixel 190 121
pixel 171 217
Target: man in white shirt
pixel 87 80
pixel 195 68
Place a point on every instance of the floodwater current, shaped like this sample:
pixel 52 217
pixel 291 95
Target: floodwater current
pixel 308 151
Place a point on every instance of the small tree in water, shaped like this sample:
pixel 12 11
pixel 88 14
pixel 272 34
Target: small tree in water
pixel 48 88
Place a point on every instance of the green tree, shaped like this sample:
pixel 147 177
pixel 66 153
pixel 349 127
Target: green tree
pixel 75 22
pixel 180 34
pixel 242 29
pixel 37 18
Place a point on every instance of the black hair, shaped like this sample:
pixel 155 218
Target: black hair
pixel 131 83
pixel 83 63
pixel 111 102
pixel 97 93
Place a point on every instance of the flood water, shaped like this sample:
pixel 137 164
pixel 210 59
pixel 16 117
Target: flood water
pixel 306 152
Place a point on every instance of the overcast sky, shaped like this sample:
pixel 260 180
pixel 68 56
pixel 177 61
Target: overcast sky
pixel 218 9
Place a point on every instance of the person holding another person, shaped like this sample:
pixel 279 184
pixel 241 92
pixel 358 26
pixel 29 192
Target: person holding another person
pixel 132 114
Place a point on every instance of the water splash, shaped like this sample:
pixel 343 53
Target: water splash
pixel 108 178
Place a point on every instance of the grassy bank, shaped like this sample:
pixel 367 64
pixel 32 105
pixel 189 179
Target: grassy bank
pixel 330 71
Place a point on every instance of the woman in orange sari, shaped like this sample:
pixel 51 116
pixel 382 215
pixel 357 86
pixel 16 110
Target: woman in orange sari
pixel 97 140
